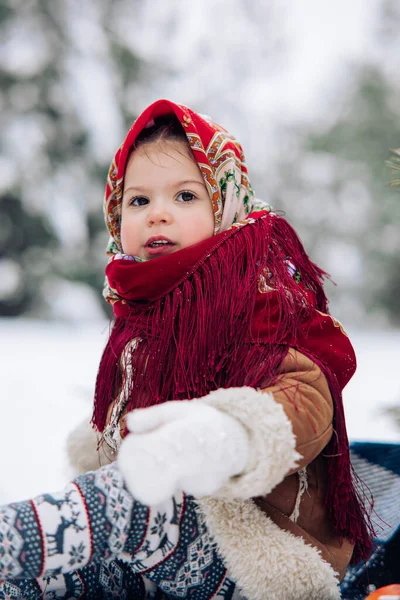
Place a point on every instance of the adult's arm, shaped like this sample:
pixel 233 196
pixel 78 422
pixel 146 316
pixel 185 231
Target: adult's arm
pixel 93 519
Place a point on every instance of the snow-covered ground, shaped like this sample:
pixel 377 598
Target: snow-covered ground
pixel 47 377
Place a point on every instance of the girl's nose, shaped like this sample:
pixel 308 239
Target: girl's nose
pixel 159 214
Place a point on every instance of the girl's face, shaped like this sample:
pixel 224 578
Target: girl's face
pixel 165 205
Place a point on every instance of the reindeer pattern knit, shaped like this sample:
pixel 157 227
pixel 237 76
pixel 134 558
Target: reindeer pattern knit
pixel 93 540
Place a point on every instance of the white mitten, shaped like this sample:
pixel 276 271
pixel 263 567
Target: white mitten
pixel 181 445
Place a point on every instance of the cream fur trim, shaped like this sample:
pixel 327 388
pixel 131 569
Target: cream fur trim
pixel 272 444
pixel 264 560
pixel 82 451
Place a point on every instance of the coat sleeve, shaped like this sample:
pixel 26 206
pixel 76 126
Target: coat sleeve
pixel 288 424
pixel 303 392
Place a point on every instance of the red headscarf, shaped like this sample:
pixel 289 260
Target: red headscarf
pixel 225 311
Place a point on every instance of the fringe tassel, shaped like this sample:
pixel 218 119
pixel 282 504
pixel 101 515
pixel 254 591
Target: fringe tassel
pixel 192 340
pixel 345 500
pixel 198 337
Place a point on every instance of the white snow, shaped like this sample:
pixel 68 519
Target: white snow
pixel 375 387
pixel 47 380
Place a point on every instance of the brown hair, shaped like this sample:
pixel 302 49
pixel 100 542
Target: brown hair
pixel 162 129
pixel 165 128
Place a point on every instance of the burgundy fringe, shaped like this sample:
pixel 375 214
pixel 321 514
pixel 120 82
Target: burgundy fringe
pixel 197 338
pixel 349 507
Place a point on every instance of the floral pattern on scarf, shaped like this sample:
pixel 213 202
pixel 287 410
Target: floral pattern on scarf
pixel 221 162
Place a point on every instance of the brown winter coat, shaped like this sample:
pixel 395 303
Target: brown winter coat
pixel 303 392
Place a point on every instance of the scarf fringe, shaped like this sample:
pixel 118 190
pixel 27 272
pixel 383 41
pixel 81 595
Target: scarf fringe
pixel 197 337
pixel 348 504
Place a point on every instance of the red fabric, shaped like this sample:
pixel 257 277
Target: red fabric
pixel 322 339
pixel 213 148
pixel 201 323
pixel 178 302
pixel 148 281
pixel 319 336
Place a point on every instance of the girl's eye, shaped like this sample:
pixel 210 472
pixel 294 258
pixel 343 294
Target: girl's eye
pixel 139 201
pixel 186 197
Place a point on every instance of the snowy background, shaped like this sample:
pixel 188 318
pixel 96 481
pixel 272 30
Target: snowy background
pixel 310 88
pixel 47 383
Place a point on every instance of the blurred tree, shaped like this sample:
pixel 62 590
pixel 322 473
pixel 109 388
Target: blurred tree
pixel 73 75
pixel 394 412
pixel 62 76
pixel 336 186
pixel 363 137
pixel 26 240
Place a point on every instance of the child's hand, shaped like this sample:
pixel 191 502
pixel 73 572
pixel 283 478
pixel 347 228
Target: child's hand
pixel 182 445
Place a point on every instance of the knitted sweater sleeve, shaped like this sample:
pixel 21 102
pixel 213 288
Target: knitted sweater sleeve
pixel 94 534
pixel 94 518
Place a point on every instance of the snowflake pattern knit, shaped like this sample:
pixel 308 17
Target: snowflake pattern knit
pixel 93 540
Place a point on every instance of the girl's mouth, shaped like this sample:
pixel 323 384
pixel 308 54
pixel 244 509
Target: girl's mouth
pixel 160 247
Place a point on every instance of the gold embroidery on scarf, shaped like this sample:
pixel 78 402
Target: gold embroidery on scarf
pixel 335 322
pixel 186 121
pixel 263 286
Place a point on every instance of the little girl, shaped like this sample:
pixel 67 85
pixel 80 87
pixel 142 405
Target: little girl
pixel 223 339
